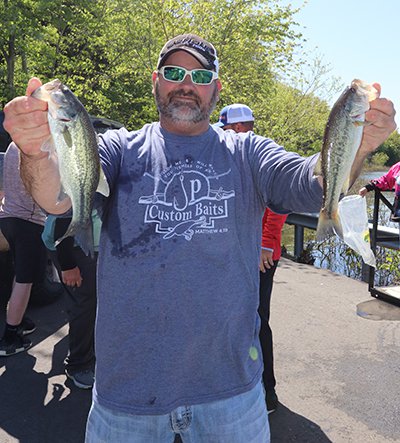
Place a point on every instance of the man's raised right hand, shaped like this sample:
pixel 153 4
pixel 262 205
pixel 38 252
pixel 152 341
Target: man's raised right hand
pixel 25 119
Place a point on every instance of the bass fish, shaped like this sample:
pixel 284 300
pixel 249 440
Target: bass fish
pixel 342 138
pixel 74 141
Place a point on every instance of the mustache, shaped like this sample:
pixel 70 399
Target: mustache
pixel 183 93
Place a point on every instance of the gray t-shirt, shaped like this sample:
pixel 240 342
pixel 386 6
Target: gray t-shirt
pixel 17 201
pixel 178 271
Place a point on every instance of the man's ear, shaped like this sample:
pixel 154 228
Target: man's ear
pixel 154 77
pixel 219 85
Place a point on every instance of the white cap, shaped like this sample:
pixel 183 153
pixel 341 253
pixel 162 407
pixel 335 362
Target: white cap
pixel 236 113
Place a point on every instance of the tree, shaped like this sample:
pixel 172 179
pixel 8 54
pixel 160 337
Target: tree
pixel 106 50
pixel 391 149
pixel 17 21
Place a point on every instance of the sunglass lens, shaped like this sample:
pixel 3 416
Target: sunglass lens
pixel 202 77
pixel 174 74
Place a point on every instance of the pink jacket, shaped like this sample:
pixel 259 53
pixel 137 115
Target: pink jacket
pixel 388 181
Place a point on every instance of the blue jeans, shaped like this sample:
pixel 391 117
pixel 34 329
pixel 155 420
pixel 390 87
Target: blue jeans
pixel 239 419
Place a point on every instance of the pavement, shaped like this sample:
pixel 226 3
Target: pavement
pixel 337 367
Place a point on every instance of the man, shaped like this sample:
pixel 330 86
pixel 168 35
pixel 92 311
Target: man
pixel 240 118
pixel 177 347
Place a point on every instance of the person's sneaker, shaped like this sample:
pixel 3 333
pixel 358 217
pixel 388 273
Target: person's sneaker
pixel 271 399
pixel 26 327
pixel 82 379
pixel 16 345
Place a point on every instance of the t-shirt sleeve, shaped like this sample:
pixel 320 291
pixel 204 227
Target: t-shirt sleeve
pixel 285 180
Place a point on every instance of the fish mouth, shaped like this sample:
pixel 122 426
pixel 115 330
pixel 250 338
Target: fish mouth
pixel 45 91
pixel 53 85
pixel 363 88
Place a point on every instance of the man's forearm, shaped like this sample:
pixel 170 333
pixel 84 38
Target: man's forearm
pixel 42 180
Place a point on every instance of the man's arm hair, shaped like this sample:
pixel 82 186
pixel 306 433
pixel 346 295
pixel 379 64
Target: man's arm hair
pixel 41 178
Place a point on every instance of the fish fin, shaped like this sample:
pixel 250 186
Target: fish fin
pixel 328 226
pixel 318 166
pixel 83 234
pixel 103 187
pixel 362 123
pixel 345 186
pixel 67 137
pixel 62 194
pixel 48 146
pixel 84 238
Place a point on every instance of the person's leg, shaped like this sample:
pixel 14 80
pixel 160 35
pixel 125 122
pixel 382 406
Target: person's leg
pixel 27 250
pixel 81 309
pixel 29 254
pixel 18 302
pixel 104 425
pixel 266 284
pixel 239 419
pixel 82 301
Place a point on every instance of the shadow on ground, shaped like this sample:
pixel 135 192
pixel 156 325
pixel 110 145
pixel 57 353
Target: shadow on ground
pixel 38 404
pixel 287 426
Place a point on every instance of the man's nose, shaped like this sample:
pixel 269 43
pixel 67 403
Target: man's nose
pixel 187 80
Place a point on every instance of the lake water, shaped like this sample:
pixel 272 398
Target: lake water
pixel 334 254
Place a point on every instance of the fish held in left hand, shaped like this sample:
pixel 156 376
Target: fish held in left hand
pixel 342 138
pixel 74 141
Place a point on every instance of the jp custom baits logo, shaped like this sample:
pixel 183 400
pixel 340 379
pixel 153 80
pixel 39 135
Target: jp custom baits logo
pixel 187 201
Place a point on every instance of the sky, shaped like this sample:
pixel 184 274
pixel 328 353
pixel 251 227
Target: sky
pixel 356 38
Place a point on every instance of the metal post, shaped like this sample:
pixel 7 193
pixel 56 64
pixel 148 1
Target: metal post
pixel 373 239
pixel 365 273
pixel 298 240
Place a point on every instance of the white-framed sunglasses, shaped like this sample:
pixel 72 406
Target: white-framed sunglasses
pixel 177 74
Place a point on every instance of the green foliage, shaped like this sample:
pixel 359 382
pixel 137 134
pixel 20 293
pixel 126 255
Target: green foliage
pixel 390 148
pixel 379 159
pixel 293 119
pixel 388 266
pixel 106 51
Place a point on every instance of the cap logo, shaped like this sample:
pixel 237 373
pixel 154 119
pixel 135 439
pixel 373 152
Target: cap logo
pixel 199 48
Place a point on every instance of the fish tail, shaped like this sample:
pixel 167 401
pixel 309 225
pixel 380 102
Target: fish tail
pixel 328 226
pixel 83 235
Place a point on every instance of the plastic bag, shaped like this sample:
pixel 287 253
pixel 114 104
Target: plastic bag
pixel 354 220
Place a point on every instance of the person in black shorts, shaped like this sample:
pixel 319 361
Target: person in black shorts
pixel 21 222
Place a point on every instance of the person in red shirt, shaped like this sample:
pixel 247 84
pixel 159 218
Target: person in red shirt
pixel 240 118
pixel 272 225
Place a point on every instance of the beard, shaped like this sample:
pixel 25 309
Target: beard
pixel 189 112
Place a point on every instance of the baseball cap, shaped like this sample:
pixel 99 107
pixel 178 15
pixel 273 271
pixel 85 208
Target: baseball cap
pixel 236 113
pixel 194 45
